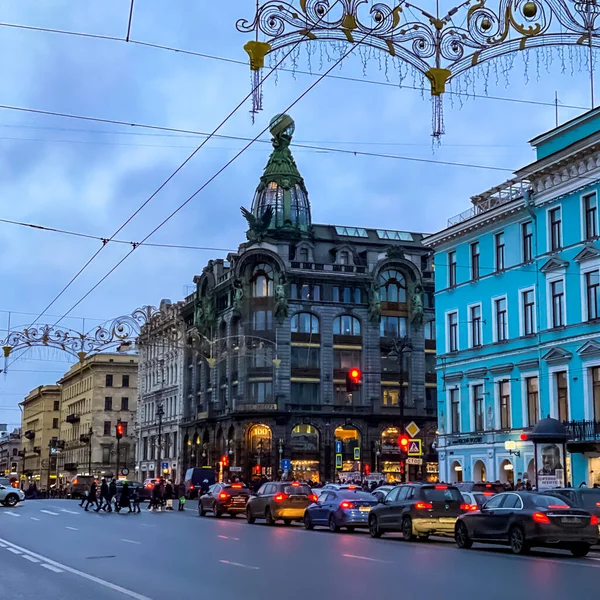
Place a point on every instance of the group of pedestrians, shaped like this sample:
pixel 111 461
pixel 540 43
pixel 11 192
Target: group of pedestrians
pixel 109 497
pixel 163 494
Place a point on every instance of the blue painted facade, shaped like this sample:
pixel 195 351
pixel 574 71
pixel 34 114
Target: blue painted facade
pixel 519 337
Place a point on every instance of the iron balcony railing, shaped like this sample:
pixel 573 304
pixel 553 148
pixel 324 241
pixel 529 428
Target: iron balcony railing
pixel 583 431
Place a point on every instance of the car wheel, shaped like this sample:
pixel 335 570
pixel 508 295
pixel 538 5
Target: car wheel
pixel 579 549
pixel 287 521
pixel 516 539
pixel 461 536
pixel 217 511
pixel 308 524
pixel 407 529
pixel 350 529
pixel 269 517
pixel 333 526
pixel 201 511
pixel 250 517
pixel 11 500
pixel 374 530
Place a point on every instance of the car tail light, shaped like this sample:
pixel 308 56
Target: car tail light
pixel 191 487
pixel 149 486
pixel 280 497
pixel 558 506
pixel 488 493
pixel 597 503
pixel 312 497
pixel 469 507
pixel 223 496
pixel 351 487
pixel 441 487
pixel 594 520
pixel 540 517
pixel 347 505
pixel 295 484
pixel 423 505
pixel 237 486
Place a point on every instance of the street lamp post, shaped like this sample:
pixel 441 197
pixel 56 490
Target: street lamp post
pixel 160 412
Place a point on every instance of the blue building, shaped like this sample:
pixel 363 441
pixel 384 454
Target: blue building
pixel 518 315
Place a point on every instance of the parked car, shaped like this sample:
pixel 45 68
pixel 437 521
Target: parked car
pixel 481 486
pixel 79 485
pixel 476 500
pixel 10 496
pixel 147 487
pixel 230 498
pixel 382 491
pixel 585 498
pixel 418 509
pixel 340 508
pixel 194 479
pixel 523 520
pixel 280 500
pixel 131 485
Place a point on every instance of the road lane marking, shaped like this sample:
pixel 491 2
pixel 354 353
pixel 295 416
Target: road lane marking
pixel 226 537
pixel 49 512
pixel 234 564
pixel 52 568
pixel 2 546
pixel 92 578
pixel 34 518
pixel 72 528
pixel 366 558
pixel 30 558
pixel 131 541
pixel 12 514
pixel 14 550
pixel 71 512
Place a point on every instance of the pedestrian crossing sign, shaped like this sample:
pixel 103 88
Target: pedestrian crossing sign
pixel 414 448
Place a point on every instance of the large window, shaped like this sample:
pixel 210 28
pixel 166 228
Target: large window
pixel 303 255
pixel 452 269
pixel 478 407
pixel 262 281
pixel 390 396
pixel 305 393
pixel 343 398
pixel 261 356
pixel 347 295
pixel 305 291
pixel 475 260
pixel 452 332
pixel 501 319
pixel 590 215
pixel 305 323
pixel 562 395
pixel 592 282
pixel 532 391
pixel 555 229
pixel 261 392
pixel 108 403
pixel 455 410
pixel 346 325
pixel 346 359
pixel 429 328
pixel 528 301
pixel 557 294
pixel 262 320
pixel 475 322
pixel 305 358
pixel 595 372
pixel 499 251
pixel 504 393
pixel 392 327
pixel 527 241
pixel 392 286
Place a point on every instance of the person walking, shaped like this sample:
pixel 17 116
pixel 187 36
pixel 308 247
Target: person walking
pixel 83 498
pixel 169 496
pixel 112 493
pixel 92 497
pixel 135 500
pixel 104 498
pixel 124 499
pixel 181 494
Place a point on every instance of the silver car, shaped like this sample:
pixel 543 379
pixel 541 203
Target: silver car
pixel 10 496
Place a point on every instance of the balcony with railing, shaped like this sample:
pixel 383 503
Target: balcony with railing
pixel 72 419
pixel 30 434
pixel 583 431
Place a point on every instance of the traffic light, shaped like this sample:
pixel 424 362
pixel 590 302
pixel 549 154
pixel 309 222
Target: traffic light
pixel 225 460
pixel 120 430
pixel 403 442
pixel 353 379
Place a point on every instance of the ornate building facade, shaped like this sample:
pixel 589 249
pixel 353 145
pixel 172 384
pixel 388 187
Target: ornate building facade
pixel 272 331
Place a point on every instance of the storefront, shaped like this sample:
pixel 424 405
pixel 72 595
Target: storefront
pixel 259 444
pixel 347 451
pixel 390 456
pixel 304 447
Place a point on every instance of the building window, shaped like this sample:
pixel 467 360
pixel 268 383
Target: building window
pixel 125 381
pixel 528 299
pixel 347 295
pixel 306 394
pixel 504 392
pixel 305 358
pixel 261 356
pixel 305 323
pixel 106 427
pixel 455 410
pixel 106 455
pixel 344 258
pixel 390 396
pixel 346 359
pixel 343 398
pixel 532 391
pixel 590 208
pixel 262 320
pixel 305 291
pixel 596 392
pixel 475 260
pixel 392 327
pixel 55 423
pixel 392 286
pixel 527 239
pixel 262 281
pixel 499 250
pixel 562 395
pixel 475 323
pixel 57 405
pixel 261 392
pixel 346 325
pixel 557 293
pixel 592 281
pixel 124 403
pixel 555 229
pixel 501 320
pixel 108 403
pixel 451 269
pixel 452 332
pixel 303 254
pixel 478 405
pixel 430 330
pixel 109 381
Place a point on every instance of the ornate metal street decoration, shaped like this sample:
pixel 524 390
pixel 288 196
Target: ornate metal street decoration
pixel 437 47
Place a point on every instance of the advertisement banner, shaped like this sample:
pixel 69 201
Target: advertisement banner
pixel 550 465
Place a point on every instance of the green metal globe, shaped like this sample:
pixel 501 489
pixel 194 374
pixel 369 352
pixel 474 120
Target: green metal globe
pixel 282 125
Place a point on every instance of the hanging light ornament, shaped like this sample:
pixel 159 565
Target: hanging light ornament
pixel 430 44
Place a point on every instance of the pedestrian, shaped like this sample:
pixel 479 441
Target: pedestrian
pixel 112 493
pixel 169 495
pixel 104 497
pixel 92 497
pixel 83 498
pixel 124 499
pixel 528 486
pixel 135 500
pixel 161 494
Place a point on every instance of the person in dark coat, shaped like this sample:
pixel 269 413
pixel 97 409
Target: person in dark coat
pixel 112 492
pixel 169 495
pixel 135 500
pixel 104 497
pixel 124 499
pixel 92 497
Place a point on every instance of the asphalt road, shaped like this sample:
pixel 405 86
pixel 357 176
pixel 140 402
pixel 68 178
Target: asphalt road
pixel 51 549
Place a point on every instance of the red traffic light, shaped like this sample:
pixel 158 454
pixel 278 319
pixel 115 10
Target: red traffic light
pixel 403 441
pixel 355 375
pixel 523 437
pixel 120 430
pixel 225 460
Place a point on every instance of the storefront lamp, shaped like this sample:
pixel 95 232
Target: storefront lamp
pixel 511 446
pixel 508 467
pixel 458 468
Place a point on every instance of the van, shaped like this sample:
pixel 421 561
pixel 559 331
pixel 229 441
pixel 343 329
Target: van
pixel 79 485
pixel 194 478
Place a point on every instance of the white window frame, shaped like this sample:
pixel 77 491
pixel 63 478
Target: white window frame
pixel 470 324
pixel 447 329
pixel 553 390
pixel 588 396
pixel 549 229
pixel 525 410
pixel 550 304
pixel 522 292
pixel 472 385
pixel 494 318
pixel 497 407
pixel 449 408
pixel 582 198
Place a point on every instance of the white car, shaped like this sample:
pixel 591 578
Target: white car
pixel 10 496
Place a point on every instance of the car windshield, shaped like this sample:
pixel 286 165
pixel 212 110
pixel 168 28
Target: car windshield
pixel 297 490
pixel 547 501
pixel 480 499
pixel 349 495
pixel 591 499
pixel 442 494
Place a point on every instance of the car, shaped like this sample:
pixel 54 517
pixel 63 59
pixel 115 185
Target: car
pixel 382 491
pixel 480 486
pixel 523 520
pixel 476 499
pixel 280 500
pixel 230 498
pixel 418 509
pixel 586 498
pixel 195 477
pixel 131 485
pixel 79 485
pixel 10 496
pixel 147 487
pixel 340 508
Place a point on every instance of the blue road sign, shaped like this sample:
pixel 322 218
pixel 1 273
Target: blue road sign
pixel 338 447
pixel 164 466
pixel 286 464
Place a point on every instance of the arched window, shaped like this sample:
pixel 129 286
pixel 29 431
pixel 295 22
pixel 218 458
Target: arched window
pixel 262 281
pixel 344 257
pixel 392 286
pixel 346 325
pixel 305 323
pixel 303 255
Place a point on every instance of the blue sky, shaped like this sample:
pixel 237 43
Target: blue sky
pixel 90 177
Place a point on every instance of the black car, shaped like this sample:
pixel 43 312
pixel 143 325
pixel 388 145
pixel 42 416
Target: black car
pixel 340 508
pixel 484 487
pixel 586 498
pixel 418 509
pixel 526 519
pixel 221 498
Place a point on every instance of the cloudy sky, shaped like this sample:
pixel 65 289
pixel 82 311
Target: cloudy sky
pixel 90 177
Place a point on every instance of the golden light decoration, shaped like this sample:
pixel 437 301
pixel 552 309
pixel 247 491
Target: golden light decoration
pixel 438 47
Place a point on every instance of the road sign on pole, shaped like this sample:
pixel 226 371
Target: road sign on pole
pixel 414 461
pixel 286 464
pixel 338 461
pixel 338 447
pixel 414 448
pixel 412 429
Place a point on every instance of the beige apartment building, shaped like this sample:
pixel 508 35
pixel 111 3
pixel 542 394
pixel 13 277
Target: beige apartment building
pixel 40 422
pixel 95 395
